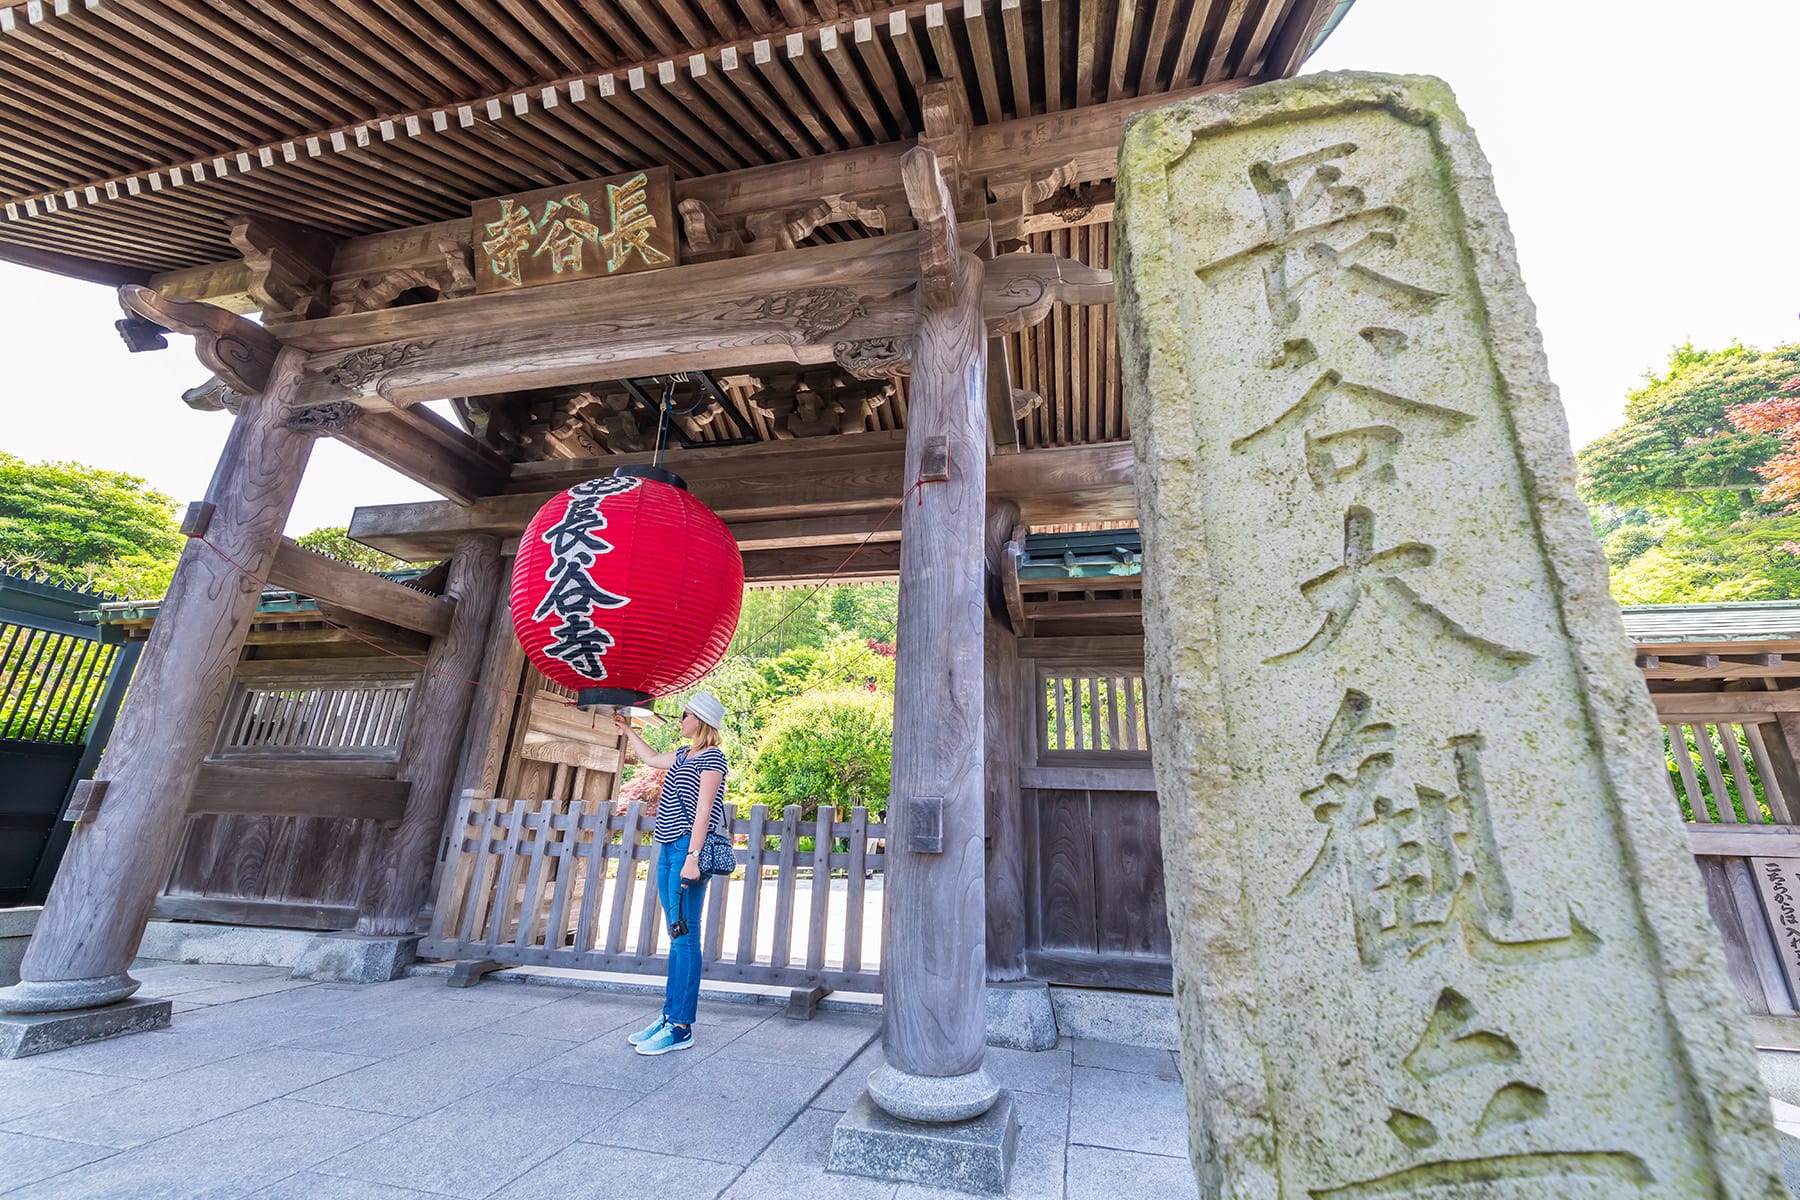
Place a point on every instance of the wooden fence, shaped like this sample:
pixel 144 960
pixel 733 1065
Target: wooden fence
pixel 569 884
pixel 1732 774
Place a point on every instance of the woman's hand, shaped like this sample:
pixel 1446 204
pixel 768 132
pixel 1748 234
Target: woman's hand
pixel 690 870
pixel 622 723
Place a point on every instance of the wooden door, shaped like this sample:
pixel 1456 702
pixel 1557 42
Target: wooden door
pixel 1095 911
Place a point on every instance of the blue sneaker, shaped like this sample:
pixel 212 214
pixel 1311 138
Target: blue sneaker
pixel 647 1032
pixel 666 1039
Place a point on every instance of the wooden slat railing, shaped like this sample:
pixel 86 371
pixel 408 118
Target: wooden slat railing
pixel 566 884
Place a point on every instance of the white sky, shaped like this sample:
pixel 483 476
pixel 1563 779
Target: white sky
pixel 1645 151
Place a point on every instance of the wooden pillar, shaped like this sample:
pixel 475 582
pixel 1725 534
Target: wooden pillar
pixel 94 916
pixel 935 959
pixel 440 713
pixel 1005 712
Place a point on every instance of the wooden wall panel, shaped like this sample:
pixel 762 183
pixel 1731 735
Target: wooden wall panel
pixel 1065 862
pixel 1131 916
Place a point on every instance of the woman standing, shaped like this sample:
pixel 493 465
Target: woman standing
pixel 692 801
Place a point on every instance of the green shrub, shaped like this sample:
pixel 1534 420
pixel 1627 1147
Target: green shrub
pixel 828 748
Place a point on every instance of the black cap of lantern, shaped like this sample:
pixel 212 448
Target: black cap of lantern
pixel 658 474
pixel 613 697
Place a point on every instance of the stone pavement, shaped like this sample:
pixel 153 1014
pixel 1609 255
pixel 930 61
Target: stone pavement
pixel 284 1089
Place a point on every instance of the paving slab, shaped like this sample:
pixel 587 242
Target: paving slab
pixel 829 1041
pixel 609 1061
pixel 725 1110
pixel 27 1087
pixel 153 1054
pixel 311 1185
pixel 1127 1111
pixel 1047 1072
pixel 1145 1060
pixel 479 1143
pixel 581 1017
pixel 794 1165
pixel 1095 1173
pixel 396 1030
pixel 425 1080
pixel 149 1110
pixel 222 1159
pixel 585 1171
pixel 25 1160
pixel 852 1081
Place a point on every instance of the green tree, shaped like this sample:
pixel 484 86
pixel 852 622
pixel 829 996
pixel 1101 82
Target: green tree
pixel 1678 453
pixel 86 527
pixel 1752 559
pixel 334 540
pixel 830 749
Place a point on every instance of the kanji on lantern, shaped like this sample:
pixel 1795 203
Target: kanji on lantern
pixel 626 588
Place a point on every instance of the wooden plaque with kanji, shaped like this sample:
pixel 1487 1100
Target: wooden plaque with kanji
pixel 576 231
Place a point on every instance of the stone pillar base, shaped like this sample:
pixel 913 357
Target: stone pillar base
pixel 1019 1015
pixel 25 1034
pixel 933 1098
pixel 354 958
pixel 967 1156
pixel 63 995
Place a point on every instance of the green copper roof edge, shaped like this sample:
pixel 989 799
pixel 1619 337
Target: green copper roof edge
pixel 1331 23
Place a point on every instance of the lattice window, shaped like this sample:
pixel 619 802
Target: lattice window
pixel 1088 711
pixel 1721 772
pixel 363 718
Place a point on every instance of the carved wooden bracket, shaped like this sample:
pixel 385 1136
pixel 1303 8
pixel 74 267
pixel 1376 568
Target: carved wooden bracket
pixel 707 234
pixel 238 351
pixel 324 420
pixel 290 266
pixel 940 258
pixel 710 236
pixel 1019 289
pixel 1018 196
pixel 1024 401
pixel 946 121
pixel 212 396
pixel 875 358
pixel 451 278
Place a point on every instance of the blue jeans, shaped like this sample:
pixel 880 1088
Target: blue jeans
pixel 682 996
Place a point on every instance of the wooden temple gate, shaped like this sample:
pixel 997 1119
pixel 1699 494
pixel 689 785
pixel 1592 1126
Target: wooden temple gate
pixel 829 256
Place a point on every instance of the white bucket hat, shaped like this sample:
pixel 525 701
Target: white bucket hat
pixel 706 706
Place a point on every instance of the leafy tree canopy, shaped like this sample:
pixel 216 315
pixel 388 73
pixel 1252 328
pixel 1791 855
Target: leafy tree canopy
pixel 1779 416
pixel 334 540
pixel 1678 452
pixel 86 527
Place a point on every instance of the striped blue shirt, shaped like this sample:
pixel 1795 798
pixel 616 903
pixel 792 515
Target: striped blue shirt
pixel 681 794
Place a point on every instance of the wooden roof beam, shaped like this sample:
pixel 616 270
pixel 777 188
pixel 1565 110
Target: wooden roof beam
pixel 783 495
pixel 1082 143
pixel 338 584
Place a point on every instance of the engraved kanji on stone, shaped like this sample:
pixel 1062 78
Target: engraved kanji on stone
pixel 1420 864
pixel 1370 574
pixel 1335 456
pixel 1318 227
pixel 1455 1043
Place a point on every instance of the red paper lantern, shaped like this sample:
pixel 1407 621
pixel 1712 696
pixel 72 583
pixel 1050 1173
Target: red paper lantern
pixel 626 587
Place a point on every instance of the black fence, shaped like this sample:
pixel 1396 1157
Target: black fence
pixel 60 687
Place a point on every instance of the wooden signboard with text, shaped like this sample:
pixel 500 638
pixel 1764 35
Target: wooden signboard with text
pixel 577 231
